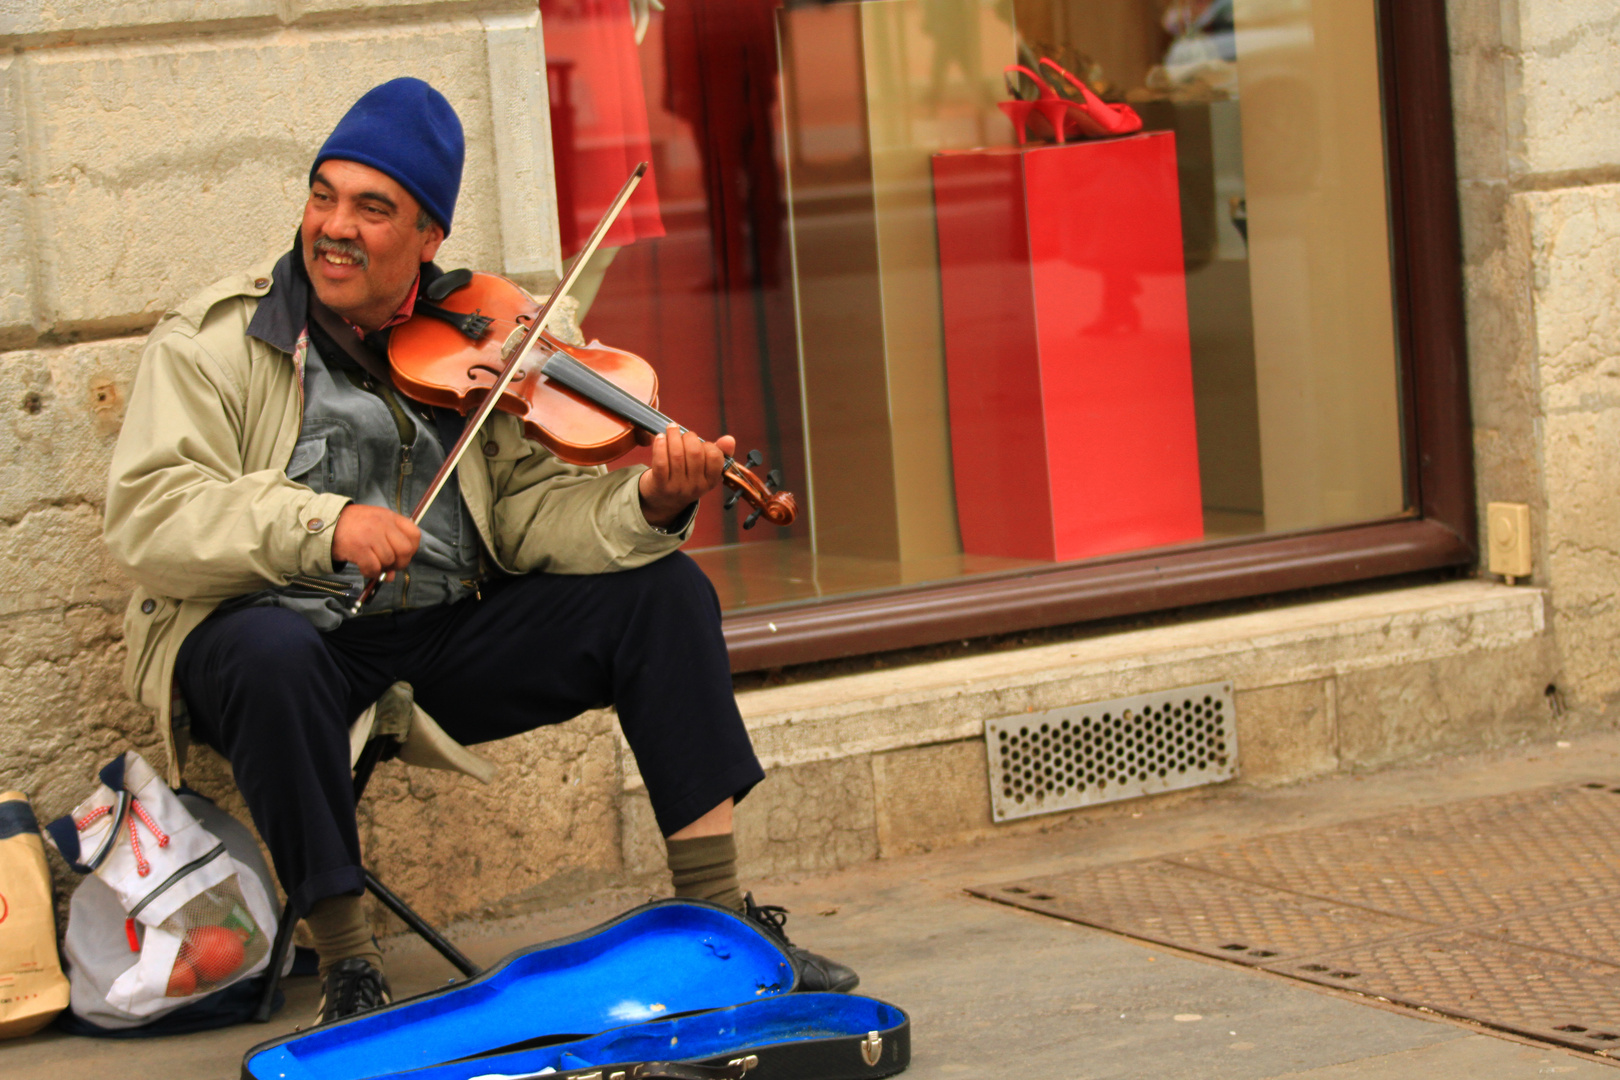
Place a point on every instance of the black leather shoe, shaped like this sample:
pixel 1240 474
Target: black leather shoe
pixel 816 972
pixel 352 987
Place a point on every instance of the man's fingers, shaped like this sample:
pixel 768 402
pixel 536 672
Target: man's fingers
pixel 714 463
pixel 368 565
pixel 675 442
pixel 698 453
pixel 402 540
pixel 660 459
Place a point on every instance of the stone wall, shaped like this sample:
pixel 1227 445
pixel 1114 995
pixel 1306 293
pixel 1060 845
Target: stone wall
pixel 148 147
pixel 1538 157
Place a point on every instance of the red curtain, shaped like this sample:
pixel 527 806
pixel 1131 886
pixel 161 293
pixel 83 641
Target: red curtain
pixel 598 120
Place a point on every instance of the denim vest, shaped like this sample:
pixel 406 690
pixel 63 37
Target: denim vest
pixel 370 442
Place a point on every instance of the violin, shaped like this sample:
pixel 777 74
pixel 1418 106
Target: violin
pixel 477 342
pixel 583 403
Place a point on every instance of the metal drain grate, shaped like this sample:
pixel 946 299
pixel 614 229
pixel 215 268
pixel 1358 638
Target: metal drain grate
pixel 1110 750
pixel 1504 910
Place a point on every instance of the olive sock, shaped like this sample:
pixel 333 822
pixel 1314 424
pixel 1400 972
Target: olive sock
pixel 340 929
pixel 705 868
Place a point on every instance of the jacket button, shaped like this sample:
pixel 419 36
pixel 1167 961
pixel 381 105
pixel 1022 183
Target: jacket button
pixel 490 449
pixel 261 283
pixel 316 524
pixel 148 606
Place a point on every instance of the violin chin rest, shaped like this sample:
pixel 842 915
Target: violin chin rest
pixel 447 283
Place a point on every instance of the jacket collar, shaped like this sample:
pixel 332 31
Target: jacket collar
pixel 283 311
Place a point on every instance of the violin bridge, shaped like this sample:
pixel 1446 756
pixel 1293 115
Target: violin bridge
pixel 513 340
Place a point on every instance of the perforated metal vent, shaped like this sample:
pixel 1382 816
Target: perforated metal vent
pixel 1109 750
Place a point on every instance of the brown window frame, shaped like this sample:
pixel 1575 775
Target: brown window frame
pixel 1439 532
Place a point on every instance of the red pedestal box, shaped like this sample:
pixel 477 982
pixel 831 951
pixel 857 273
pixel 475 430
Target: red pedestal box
pixel 1070 373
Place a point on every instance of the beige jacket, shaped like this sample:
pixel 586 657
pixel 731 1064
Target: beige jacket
pixel 199 507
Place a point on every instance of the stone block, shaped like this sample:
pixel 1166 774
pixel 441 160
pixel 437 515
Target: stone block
pixel 55 21
pixel 1575 242
pixel 17 242
pixel 1567 54
pixel 1286 733
pixel 1489 699
pixel 1586 581
pixel 809 818
pixel 50 21
pixel 1501 354
pixel 530 235
pixel 63 713
pixel 53 556
pixel 931 796
pixel 456 847
pixel 313 10
pixel 63 408
pixel 158 169
pixel 1479 97
pixel 640 842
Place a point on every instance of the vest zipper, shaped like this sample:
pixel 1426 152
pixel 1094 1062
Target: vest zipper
pixel 405 469
pixel 407 435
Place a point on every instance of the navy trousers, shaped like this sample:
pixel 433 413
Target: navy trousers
pixel 276 697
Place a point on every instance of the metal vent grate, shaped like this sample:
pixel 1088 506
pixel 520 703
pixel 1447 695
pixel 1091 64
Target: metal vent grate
pixel 1110 750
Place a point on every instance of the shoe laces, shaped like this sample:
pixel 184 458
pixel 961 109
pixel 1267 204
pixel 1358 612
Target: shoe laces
pixel 353 987
pixel 771 916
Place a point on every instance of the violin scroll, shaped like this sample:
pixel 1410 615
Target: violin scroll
pixel 765 496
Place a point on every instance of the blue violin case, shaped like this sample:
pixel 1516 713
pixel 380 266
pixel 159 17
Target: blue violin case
pixel 679 989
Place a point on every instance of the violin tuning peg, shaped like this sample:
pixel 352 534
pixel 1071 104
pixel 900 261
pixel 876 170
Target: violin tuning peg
pixel 754 458
pixel 731 499
pixel 773 479
pixel 748 523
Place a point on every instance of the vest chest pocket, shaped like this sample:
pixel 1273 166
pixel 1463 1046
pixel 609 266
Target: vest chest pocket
pixel 326 458
pixel 309 452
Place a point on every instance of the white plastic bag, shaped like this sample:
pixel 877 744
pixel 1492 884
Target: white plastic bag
pixel 194 920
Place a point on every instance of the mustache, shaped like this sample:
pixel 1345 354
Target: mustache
pixel 347 248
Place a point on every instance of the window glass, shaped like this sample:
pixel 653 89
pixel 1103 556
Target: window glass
pixel 967 355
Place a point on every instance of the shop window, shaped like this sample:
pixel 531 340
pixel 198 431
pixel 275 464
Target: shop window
pixel 1022 385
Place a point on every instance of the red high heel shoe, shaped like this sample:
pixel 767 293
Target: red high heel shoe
pixel 1107 119
pixel 1054 108
pixel 1017 110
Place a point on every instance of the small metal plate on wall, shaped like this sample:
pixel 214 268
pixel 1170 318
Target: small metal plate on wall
pixel 1110 750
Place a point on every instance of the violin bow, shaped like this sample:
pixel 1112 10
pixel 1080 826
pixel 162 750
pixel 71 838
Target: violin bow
pixel 513 366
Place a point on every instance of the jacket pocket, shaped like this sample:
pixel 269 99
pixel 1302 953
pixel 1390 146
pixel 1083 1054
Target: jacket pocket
pixel 147 623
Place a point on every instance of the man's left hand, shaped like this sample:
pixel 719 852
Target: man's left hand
pixel 684 469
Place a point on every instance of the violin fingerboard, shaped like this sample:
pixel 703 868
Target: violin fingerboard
pixel 566 371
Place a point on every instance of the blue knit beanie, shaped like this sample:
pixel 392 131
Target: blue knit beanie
pixel 406 129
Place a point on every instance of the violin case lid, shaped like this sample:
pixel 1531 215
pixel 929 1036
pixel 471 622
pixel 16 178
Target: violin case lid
pixel 672 980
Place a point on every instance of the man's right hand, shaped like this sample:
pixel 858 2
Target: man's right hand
pixel 374 538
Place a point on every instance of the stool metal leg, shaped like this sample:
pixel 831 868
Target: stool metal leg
pixel 278 960
pixel 420 925
pixel 369 758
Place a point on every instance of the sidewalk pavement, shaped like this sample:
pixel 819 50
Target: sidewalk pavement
pixel 995 991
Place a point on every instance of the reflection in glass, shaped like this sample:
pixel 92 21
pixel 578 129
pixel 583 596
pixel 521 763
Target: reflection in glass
pixel 798 298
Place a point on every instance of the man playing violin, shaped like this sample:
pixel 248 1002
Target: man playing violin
pixel 265 445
